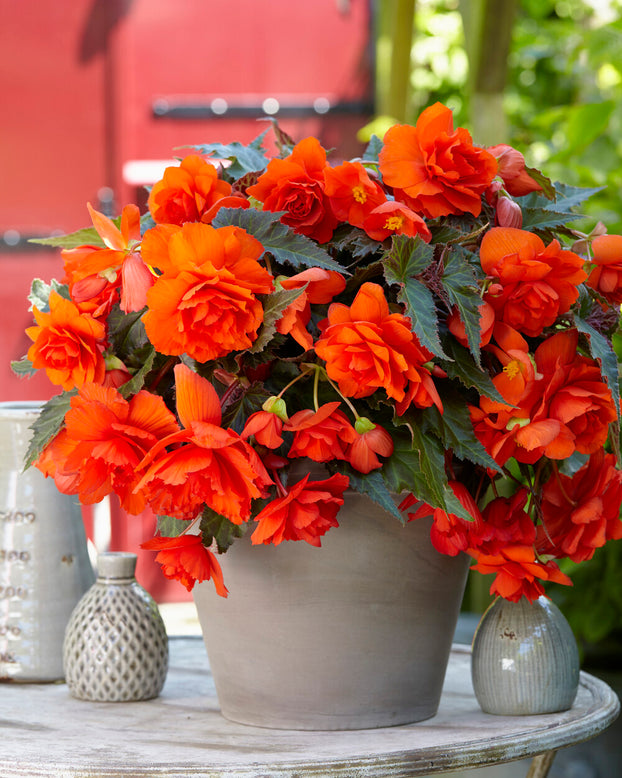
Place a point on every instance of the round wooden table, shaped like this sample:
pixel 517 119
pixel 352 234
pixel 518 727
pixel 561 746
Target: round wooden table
pixel 46 732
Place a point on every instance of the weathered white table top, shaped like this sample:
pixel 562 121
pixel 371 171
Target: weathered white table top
pixel 45 732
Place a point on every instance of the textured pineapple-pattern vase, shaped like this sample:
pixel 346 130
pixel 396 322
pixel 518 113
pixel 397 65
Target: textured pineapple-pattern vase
pixel 116 647
pixel 525 659
pixel 44 561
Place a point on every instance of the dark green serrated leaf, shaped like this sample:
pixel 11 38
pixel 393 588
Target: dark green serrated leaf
pixel 373 149
pixel 170 527
pixel 47 425
pixel 39 296
pixel 539 219
pixel 466 371
pixel 418 466
pixel 236 414
pixel 244 159
pixel 454 429
pixel 23 368
pixel 273 307
pixel 373 485
pixel 126 332
pixel 407 258
pixel 284 244
pixel 460 284
pixel 548 190
pixel 137 381
pixel 603 353
pixel 85 237
pixel 355 242
pixel 215 527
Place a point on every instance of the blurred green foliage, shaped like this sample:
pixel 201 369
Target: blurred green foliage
pixel 563 98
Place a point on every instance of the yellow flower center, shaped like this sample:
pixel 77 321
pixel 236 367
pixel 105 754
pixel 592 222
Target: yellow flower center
pixel 359 194
pixel 394 223
pixel 512 369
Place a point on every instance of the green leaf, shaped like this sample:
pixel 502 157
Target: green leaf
pixel 455 431
pixel 235 414
pixel 373 485
pixel 23 368
pixel 417 465
pixel 48 424
pixel 85 237
pixel 602 352
pixel 170 527
pixel 137 381
pixel 126 333
pixel 540 219
pixel 467 372
pixel 373 149
pixel 39 296
pixel 460 284
pixel 407 258
pixel 284 244
pixel 273 306
pixel 244 159
pixel 215 527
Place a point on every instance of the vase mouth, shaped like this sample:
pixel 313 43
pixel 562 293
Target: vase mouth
pixel 116 565
pixel 21 408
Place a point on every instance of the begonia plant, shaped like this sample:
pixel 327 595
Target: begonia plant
pixel 424 321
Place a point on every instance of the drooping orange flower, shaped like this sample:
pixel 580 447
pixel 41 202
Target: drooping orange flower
pixel 371 440
pixel 513 171
pixel 435 169
pixel 366 347
pixel 393 218
pixel 96 275
pixel 104 439
pixel 266 427
pixel 296 185
pixel 606 277
pixel 574 394
pixel 205 302
pixel 580 513
pixel 187 192
pixel 67 344
pixel 537 283
pixel 320 435
pixel 186 560
pixel 306 512
pixel 203 464
pixel 450 534
pixel 321 286
pixel 508 551
pixel 352 192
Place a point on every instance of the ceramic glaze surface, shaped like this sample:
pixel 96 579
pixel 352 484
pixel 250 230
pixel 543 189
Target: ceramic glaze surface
pixel 44 563
pixel 116 647
pixel 355 634
pixel 525 659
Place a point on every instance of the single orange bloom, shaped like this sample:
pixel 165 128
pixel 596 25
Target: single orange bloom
pixel 362 452
pixel 321 286
pixel 67 344
pixel 538 283
pixel 206 464
pixel 393 218
pixel 435 169
pixel 186 560
pixel 321 435
pixel 352 192
pixel 205 302
pixel 516 180
pixel 96 275
pixel 606 277
pixel 366 347
pixel 306 512
pixel 296 185
pixel 265 427
pixel 186 192
pixel 580 513
pixel 104 439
